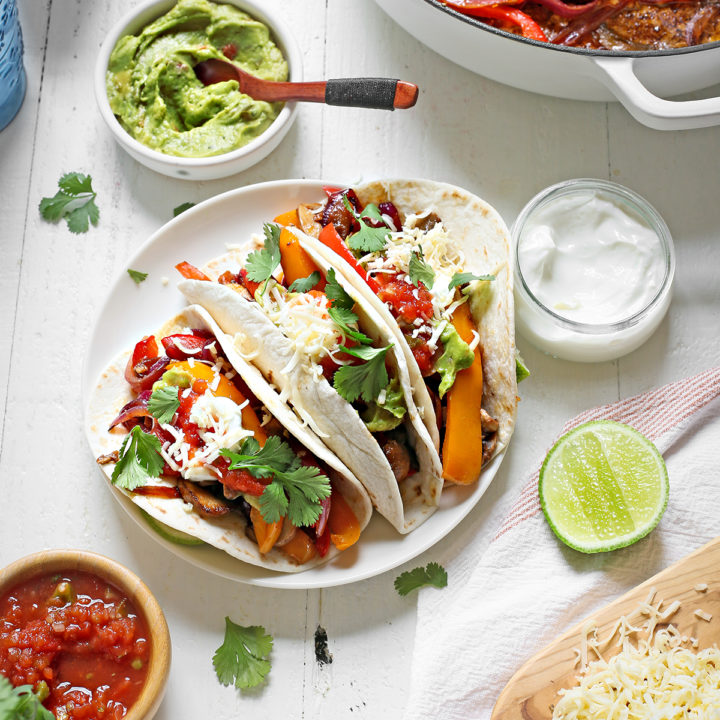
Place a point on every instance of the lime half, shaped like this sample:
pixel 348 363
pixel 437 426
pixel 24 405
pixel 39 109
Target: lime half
pixel 603 486
pixel 169 533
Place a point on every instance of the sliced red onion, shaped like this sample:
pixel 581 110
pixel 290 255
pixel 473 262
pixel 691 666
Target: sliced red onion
pixel 152 373
pixel 136 408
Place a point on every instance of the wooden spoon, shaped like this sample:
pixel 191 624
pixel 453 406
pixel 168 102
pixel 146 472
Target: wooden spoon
pixel 380 93
pixel 533 691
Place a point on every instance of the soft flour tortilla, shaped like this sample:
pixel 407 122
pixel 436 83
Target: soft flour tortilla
pixel 484 239
pixel 407 504
pixel 227 532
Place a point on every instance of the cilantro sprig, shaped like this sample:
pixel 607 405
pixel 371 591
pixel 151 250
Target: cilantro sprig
pixel 261 264
pixel 164 402
pixel 343 319
pixel 303 285
pixel 336 293
pixel 296 489
pixel 139 460
pixel 366 380
pixel 433 574
pixel 419 271
pixel 242 659
pixel 137 276
pixel 367 238
pixel 21 703
pixel 462 278
pixel 75 201
pixel 341 310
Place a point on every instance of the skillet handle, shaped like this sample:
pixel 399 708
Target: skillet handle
pixel 618 75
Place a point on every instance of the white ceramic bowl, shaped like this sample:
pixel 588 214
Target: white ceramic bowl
pixel 598 341
pixel 217 166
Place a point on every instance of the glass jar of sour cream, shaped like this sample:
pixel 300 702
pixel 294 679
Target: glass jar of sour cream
pixel 594 265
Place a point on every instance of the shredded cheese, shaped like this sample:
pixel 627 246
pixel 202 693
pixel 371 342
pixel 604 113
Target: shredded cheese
pixel 655 678
pixel 303 318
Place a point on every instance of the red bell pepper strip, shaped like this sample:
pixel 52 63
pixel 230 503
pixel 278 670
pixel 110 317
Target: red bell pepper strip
pixel 530 29
pixel 191 272
pixel 329 236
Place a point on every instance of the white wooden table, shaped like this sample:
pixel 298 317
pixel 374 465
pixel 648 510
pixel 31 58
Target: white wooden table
pixel 501 143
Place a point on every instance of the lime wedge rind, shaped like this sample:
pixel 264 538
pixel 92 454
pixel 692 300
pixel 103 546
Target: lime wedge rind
pixel 564 517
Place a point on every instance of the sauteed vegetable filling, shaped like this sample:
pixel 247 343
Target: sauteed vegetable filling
pixel 319 317
pixel 602 24
pixel 414 267
pixel 196 424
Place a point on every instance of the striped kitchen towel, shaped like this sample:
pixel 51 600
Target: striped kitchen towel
pixel 527 587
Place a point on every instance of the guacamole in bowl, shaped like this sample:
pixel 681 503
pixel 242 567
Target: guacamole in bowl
pixel 154 93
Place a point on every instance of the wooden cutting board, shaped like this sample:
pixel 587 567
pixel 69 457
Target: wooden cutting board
pixel 532 692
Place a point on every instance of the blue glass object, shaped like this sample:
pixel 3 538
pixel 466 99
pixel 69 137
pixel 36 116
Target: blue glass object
pixel 12 72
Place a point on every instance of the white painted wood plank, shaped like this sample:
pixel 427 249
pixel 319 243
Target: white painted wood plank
pixel 17 141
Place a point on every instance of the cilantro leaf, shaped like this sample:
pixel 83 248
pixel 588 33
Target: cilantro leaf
pixel 21 703
pixel 139 461
pixel 461 278
pixel 261 264
pixel 137 276
pixel 367 238
pixel 419 271
pixel 242 659
pixel 296 489
pixel 303 285
pixel 343 318
pixel 182 208
pixel 336 293
pixel 261 462
pixel 305 486
pixel 164 402
pixel 366 380
pixel 75 201
pixel 433 574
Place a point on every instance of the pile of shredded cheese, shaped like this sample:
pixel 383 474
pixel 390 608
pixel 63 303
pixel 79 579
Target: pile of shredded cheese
pixel 654 678
pixel 304 320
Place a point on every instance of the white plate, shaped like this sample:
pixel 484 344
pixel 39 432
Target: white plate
pixel 131 311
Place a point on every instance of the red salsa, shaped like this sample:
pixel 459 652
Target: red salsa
pixel 78 641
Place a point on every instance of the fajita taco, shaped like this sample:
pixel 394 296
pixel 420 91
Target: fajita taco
pixel 195 436
pixel 334 360
pixel 433 261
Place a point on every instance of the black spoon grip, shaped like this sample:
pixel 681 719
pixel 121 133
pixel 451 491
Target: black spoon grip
pixel 378 93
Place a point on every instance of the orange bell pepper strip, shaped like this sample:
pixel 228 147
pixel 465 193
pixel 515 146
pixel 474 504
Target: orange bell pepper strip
pixel 462 446
pixel 330 237
pixel 288 218
pixel 266 533
pixel 300 547
pixel 344 526
pixel 296 263
pixel 191 272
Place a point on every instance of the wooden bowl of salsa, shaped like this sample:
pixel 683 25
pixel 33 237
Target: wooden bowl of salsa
pixel 85 633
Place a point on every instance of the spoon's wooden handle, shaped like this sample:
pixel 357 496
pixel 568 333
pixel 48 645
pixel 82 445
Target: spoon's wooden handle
pixel 379 93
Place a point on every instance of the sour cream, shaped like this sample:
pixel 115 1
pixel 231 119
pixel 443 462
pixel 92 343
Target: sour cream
pixel 594 267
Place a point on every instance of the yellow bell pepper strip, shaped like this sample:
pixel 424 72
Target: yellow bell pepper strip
pixel 266 533
pixel 462 446
pixel 344 526
pixel 300 547
pixel 288 218
pixel 296 263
